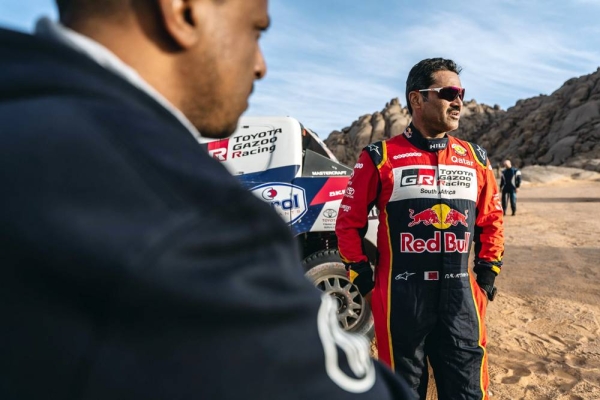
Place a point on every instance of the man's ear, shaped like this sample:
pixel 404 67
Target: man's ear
pixel 415 99
pixel 180 19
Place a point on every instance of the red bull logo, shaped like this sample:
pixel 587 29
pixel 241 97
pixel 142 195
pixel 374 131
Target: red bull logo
pixel 427 217
pixel 452 244
pixel 440 216
pixel 454 218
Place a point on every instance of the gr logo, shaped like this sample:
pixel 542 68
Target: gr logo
pixel 418 176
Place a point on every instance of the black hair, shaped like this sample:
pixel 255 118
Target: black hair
pixel 88 7
pixel 421 75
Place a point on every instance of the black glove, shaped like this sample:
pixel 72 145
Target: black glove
pixel 361 275
pixel 485 280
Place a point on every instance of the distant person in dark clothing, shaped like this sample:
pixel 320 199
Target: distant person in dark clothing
pixel 133 265
pixel 509 184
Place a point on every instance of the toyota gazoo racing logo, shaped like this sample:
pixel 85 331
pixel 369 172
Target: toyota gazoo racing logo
pixel 440 216
pixel 289 201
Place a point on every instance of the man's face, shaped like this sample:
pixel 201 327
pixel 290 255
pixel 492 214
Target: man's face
pixel 439 115
pixel 222 69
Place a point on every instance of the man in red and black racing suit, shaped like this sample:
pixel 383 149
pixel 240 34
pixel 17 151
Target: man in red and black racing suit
pixel 435 198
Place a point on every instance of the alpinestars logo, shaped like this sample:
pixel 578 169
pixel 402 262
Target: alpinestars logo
pixel 374 148
pixel 481 152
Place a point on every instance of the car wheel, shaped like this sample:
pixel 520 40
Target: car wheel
pixel 326 271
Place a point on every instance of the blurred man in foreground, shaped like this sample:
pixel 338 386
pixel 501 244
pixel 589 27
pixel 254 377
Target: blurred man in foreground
pixel 436 196
pixel 133 265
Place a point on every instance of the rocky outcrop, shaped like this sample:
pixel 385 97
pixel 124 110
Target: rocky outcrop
pixel 562 129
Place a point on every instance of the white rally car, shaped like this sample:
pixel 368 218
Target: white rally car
pixel 287 165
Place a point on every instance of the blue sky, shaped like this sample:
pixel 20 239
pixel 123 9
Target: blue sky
pixel 331 61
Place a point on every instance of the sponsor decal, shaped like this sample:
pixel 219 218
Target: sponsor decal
pixel 462 161
pixel 404 276
pixel 455 177
pixel 440 216
pixel 406 155
pixel 345 208
pixel 329 218
pixel 254 143
pixel 350 192
pixel 451 244
pixel 432 276
pixel 425 181
pixel 408 132
pixel 374 148
pixel 218 149
pixel 329 173
pixel 359 166
pixel 497 201
pixel 437 144
pixel 458 149
pixel 447 178
pixel 269 194
pixel 481 152
pixel 457 276
pixel 333 189
pixel 418 176
pixel 289 201
pixel 329 213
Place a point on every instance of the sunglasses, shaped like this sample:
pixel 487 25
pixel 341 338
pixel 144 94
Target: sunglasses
pixel 449 93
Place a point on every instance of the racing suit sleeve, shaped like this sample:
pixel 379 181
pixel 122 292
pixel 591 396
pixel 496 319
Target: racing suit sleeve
pixel 489 229
pixel 352 221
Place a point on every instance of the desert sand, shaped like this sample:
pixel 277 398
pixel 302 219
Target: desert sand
pixel 544 326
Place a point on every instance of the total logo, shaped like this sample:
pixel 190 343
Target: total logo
pixel 440 216
pixel 289 201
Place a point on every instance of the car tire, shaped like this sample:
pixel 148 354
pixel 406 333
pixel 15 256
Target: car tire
pixel 327 272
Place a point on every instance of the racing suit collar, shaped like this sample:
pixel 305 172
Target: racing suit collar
pixel 418 140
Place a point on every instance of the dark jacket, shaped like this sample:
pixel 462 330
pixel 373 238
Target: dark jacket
pixel 510 179
pixel 133 265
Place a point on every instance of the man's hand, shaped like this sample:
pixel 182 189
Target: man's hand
pixel 485 280
pixel 361 275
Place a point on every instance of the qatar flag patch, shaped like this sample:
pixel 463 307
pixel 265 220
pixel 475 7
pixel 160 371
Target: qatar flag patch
pixel 432 276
